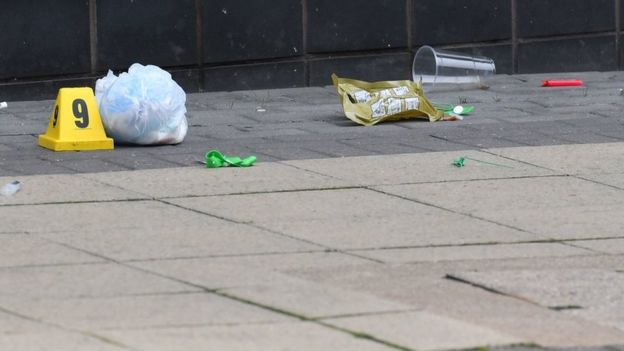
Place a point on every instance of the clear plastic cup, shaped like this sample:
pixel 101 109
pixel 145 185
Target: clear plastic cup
pixel 447 70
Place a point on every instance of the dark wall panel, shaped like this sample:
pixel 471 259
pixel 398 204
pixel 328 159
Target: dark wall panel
pixel 44 38
pixel 555 17
pixel 370 68
pixel 237 30
pixel 457 21
pixel 162 33
pixel 621 14
pixel 255 76
pixel 242 44
pixel 188 79
pixel 41 90
pixel 568 55
pixel 349 25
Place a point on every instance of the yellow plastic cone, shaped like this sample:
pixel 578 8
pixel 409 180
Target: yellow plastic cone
pixel 75 124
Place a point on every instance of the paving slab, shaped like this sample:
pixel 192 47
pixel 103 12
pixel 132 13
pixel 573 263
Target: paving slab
pixel 418 168
pixel 262 337
pixel 306 298
pixel 311 216
pixel 609 246
pixel 571 159
pixel 615 179
pixel 205 238
pixel 58 339
pixel 536 348
pixel 299 205
pixel 424 284
pixel 425 331
pixel 63 188
pixel 522 193
pixel 200 181
pixel 20 166
pixel 93 165
pixel 593 294
pixel 261 279
pixel 241 271
pixel 552 207
pixel 99 216
pixel 384 146
pixel 426 226
pixel 85 280
pixel 145 312
pixel 474 252
pixel 22 250
pixel 579 222
pixel 14 324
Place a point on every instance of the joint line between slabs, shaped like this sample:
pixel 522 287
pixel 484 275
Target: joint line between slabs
pixel 451 211
pixel 223 294
pixel 490 243
pixel 596 182
pixel 232 297
pixel 241 223
pixel 216 292
pixel 557 173
pixel 364 314
pixel 164 198
pixel 272 231
pixel 78 202
pixel 364 336
pixel 86 333
pixel 202 257
pixel 571 244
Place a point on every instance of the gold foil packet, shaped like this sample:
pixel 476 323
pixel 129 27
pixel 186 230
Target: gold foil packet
pixel 369 103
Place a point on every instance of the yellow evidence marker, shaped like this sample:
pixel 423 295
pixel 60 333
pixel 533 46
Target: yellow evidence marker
pixel 75 124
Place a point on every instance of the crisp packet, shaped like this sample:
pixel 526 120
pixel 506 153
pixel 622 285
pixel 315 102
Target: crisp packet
pixel 369 103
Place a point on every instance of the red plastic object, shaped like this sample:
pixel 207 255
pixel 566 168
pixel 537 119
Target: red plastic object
pixel 562 83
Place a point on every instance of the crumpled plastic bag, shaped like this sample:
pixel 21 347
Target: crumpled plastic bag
pixel 143 106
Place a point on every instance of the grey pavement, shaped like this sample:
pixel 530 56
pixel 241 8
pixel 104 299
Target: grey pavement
pixel 308 123
pixel 341 237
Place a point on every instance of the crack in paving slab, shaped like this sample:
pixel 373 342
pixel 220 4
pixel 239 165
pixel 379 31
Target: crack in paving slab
pixel 458 279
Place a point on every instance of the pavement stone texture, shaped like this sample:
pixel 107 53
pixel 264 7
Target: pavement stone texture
pixel 340 238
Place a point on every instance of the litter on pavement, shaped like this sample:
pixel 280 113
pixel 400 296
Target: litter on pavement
pixel 562 83
pixel 215 159
pixel 369 103
pixel 460 162
pixel 454 112
pixel 3 104
pixel 11 188
pixel 144 106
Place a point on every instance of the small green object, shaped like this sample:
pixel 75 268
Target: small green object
pixel 463 109
pixel 215 159
pixel 443 107
pixel 460 162
pixel 459 109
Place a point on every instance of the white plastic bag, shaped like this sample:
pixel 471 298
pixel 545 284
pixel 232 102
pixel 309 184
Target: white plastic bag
pixel 144 106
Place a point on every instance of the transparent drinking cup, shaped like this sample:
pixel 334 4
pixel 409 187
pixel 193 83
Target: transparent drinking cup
pixel 441 70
